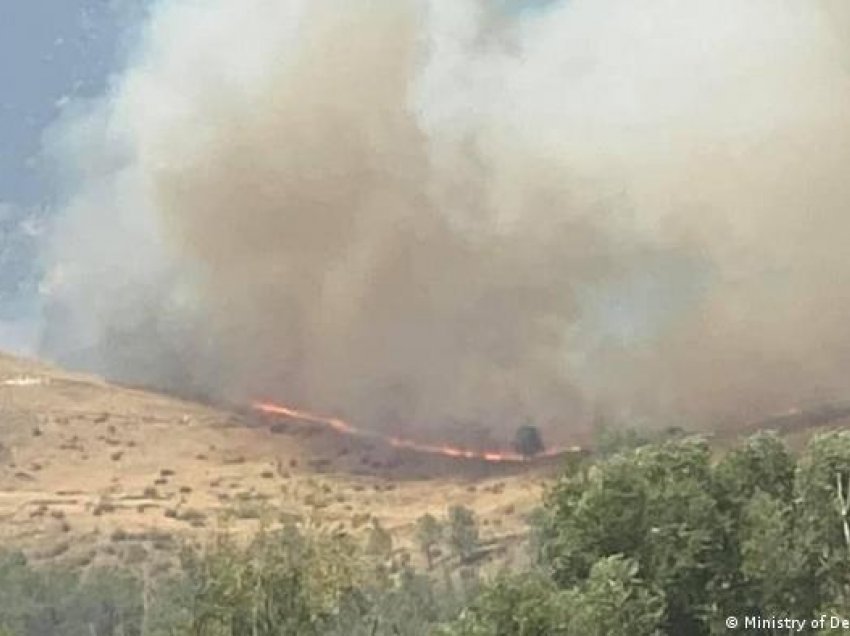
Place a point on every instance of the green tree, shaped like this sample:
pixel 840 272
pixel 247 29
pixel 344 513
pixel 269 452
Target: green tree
pixel 48 601
pixel 652 505
pixel 411 606
pixel 428 534
pixel 528 442
pixel 614 600
pixel 282 583
pixel 763 464
pixel 462 532
pixel 513 605
pixel 609 441
pixel 772 567
pixel 753 486
pixel 379 542
pixel 822 524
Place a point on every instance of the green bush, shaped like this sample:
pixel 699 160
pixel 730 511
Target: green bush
pixel 428 534
pixel 528 441
pixel 462 528
pixel 53 602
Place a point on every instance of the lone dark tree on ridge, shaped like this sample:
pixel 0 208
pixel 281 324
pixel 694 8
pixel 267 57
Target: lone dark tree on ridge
pixel 528 442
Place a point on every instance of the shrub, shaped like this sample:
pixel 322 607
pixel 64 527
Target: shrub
pixel 528 441
pixel 462 532
pixel 428 534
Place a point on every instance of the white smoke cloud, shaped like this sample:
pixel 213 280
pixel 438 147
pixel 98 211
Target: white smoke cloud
pixel 414 213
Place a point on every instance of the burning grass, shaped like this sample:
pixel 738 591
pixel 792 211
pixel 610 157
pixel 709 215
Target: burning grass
pixel 444 450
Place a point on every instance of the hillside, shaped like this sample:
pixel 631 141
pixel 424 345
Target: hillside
pixel 91 473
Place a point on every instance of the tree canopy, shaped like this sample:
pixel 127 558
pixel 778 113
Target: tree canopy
pixel 528 442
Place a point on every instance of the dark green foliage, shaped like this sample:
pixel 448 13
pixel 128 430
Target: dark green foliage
pixel 462 532
pixel 293 582
pixel 609 441
pixel 762 464
pixel 528 441
pixel 55 601
pixel 821 525
pixel 614 597
pixel 411 606
pixel 612 600
pixel 652 506
pixel 753 534
pixel 380 542
pixel 524 604
pixel 428 534
pixel 753 486
pixel 282 583
pixel 772 568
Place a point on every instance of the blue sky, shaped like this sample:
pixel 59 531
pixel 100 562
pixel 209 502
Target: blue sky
pixel 51 53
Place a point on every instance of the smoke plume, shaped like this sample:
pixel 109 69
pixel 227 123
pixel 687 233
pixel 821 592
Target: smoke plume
pixel 429 213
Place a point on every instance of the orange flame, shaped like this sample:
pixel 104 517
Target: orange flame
pixel 344 427
pixel 335 423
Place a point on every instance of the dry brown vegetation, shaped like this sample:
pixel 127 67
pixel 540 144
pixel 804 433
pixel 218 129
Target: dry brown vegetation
pixel 91 473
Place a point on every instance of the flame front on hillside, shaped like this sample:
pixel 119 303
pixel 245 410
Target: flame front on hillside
pixel 446 450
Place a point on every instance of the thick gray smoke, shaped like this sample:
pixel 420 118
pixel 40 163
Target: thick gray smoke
pixel 414 213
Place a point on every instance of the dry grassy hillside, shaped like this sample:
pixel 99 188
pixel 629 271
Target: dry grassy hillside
pixel 91 472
